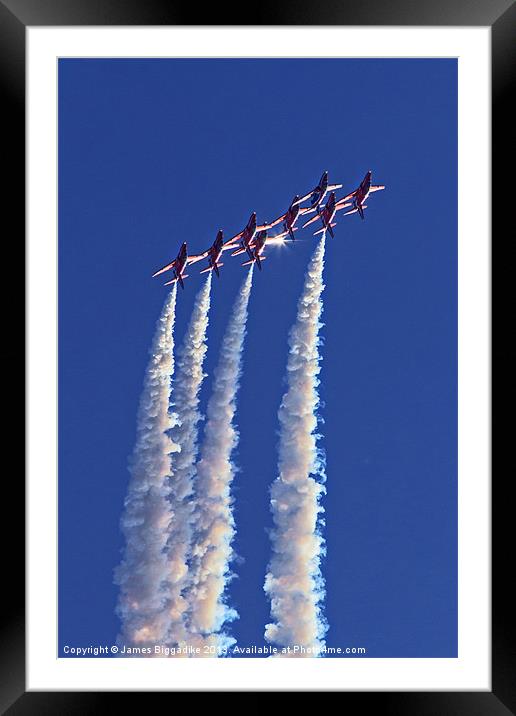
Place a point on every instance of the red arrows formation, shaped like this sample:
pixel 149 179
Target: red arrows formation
pixel 253 239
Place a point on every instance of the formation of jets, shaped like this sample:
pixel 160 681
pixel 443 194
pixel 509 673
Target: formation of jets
pixel 254 237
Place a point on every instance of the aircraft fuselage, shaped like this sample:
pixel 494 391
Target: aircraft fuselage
pixel 248 235
pixel 319 192
pixel 292 215
pixel 329 210
pixel 364 189
pixel 258 248
pixel 181 260
pixel 216 249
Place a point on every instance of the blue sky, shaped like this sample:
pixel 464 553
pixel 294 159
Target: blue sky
pixel 154 152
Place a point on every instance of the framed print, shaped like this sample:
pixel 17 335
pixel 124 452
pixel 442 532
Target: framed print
pixel 258 364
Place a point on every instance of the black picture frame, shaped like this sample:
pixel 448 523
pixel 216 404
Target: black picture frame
pixel 500 15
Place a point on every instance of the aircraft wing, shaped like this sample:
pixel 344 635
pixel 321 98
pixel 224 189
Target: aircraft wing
pixel 348 196
pixel 276 239
pixel 311 221
pixel 332 187
pixel 376 187
pixel 165 268
pixel 193 258
pixel 230 243
pixel 304 198
pixel 237 252
pixel 277 221
pixel 342 205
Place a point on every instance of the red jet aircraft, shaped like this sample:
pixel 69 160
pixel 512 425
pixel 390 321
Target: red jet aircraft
pixel 214 253
pixel 360 195
pixel 289 219
pixel 179 264
pixel 319 192
pixel 246 237
pixel 257 247
pixel 326 214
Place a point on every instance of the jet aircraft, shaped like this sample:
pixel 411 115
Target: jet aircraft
pixel 359 196
pixel 257 247
pixel 214 253
pixel 247 235
pixel 290 217
pixel 179 264
pixel 319 192
pixel 326 213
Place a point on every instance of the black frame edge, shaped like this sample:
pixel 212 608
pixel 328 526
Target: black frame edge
pixel 15 15
pixel 267 12
pixel 503 34
pixel 12 91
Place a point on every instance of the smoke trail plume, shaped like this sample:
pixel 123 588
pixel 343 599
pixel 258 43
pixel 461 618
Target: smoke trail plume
pixel 213 522
pixel 144 569
pixel 294 582
pixel 185 399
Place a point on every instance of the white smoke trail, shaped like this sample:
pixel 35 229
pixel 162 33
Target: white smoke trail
pixel 184 432
pixel 144 569
pixel 213 523
pixel 294 582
